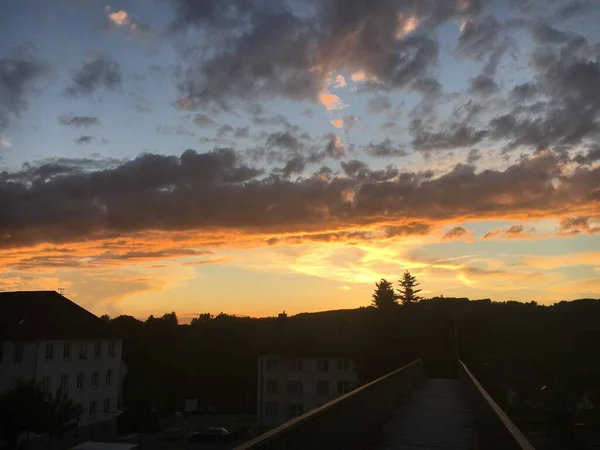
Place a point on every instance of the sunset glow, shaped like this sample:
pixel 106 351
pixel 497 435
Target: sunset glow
pixel 291 160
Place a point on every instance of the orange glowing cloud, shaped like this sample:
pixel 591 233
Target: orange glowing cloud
pixel 339 82
pixel 338 123
pixel 406 25
pixel 330 101
pixel 358 76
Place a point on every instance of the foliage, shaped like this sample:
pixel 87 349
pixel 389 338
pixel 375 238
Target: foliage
pixel 27 407
pixel 202 319
pixel 407 292
pixel 384 295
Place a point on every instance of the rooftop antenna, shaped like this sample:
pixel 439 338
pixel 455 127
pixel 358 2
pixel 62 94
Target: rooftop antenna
pixel 61 290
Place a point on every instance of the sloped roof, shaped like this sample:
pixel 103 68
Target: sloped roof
pixel 41 315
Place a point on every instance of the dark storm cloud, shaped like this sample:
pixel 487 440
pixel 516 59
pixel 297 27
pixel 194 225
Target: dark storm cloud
pixel 217 190
pixel 78 121
pixel 284 140
pixel 478 37
pixel 102 71
pixel 385 149
pixel 590 157
pixel 579 224
pixel 474 156
pixel 574 7
pixel 513 232
pixel 296 165
pixel 204 121
pixel 18 74
pixel 379 104
pixel 455 234
pixel 568 85
pixel 270 121
pixel 543 33
pixel 84 140
pixel 524 92
pixel 452 136
pixel 225 130
pixel 242 132
pixel 291 51
pixel 483 85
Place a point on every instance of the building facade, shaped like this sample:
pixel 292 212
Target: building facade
pixel 289 386
pixel 61 346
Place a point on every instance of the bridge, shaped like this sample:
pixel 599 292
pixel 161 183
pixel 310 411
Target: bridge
pixel 402 410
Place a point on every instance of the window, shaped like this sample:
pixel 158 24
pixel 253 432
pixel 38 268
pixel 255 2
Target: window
pixel 343 387
pixel 80 379
pixel 83 350
pixel 67 350
pixel 322 365
pixel 94 378
pixel 343 365
pixel 272 409
pixel 98 349
pixel 49 351
pixel 92 408
pixel 271 364
pixel 322 387
pixel 108 377
pixel 111 349
pixel 18 353
pixel 106 406
pixel 296 365
pixel 64 383
pixel 294 388
pixel 46 381
pixel 272 387
pixel 295 409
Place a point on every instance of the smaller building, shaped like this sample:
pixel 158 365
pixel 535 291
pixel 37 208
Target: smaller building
pixel 292 384
pixel 50 339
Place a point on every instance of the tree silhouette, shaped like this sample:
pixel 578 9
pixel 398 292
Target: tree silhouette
pixel 384 295
pixel 202 319
pixel 407 292
pixel 28 407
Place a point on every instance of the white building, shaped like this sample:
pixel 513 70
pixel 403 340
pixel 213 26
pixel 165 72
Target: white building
pixel 291 385
pixel 46 337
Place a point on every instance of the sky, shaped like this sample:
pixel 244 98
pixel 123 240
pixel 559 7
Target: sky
pixel 250 157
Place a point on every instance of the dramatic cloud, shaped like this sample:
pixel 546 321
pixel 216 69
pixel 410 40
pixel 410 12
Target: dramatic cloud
pixel 84 140
pixel 18 74
pixel 204 121
pixel 513 232
pixel 457 234
pixel 379 104
pixel 385 149
pixel 478 37
pixel 483 85
pixel 101 71
pixel 216 190
pixel 452 136
pixel 270 50
pixel 579 224
pixel 78 121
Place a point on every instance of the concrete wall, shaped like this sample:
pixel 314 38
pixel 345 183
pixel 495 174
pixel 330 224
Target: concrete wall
pixel 282 373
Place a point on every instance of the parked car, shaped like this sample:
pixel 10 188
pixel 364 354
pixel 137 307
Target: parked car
pixel 212 434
